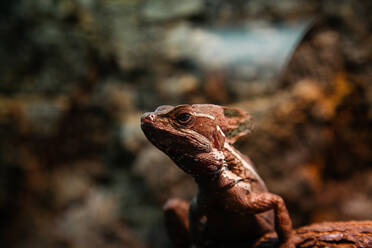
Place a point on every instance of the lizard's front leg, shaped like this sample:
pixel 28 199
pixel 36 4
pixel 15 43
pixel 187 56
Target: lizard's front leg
pixel 196 215
pixel 176 213
pixel 255 203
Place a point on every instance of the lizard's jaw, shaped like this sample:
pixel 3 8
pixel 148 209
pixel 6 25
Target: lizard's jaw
pixel 149 129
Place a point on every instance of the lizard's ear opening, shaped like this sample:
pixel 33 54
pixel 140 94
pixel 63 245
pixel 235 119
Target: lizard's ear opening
pixel 238 124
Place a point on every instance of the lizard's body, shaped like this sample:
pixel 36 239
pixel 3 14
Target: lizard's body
pixel 237 176
pixel 233 204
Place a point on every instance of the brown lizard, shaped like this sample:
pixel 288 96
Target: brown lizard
pixel 233 205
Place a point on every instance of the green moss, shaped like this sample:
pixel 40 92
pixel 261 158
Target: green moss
pixel 229 112
pixel 242 127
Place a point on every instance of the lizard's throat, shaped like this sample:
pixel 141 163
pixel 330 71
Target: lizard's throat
pixel 204 165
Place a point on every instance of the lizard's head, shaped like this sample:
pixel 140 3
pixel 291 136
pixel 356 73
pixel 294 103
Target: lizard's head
pixel 185 132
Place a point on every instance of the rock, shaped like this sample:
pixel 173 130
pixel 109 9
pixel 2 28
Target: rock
pixel 178 87
pixel 353 234
pixel 94 223
pixel 176 44
pixel 162 175
pixel 163 10
pixel 130 132
pixel 116 97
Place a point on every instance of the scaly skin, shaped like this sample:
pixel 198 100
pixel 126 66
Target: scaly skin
pixel 346 234
pixel 233 205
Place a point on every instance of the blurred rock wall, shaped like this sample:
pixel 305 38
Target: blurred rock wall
pixel 75 168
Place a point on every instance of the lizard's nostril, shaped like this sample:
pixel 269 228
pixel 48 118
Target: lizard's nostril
pixel 147 118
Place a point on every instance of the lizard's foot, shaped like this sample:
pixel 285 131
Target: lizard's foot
pixel 288 244
pixel 289 241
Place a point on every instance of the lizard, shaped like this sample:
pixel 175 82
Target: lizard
pixel 233 205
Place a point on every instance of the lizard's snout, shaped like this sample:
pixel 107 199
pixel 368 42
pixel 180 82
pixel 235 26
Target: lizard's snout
pixel 147 118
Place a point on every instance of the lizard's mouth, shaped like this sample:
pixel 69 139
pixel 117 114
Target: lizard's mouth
pixel 154 134
pixel 147 124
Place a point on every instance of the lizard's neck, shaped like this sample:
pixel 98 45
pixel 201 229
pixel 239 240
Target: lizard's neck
pixel 240 165
pixel 233 169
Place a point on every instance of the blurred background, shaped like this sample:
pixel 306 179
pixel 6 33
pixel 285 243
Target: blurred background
pixel 75 76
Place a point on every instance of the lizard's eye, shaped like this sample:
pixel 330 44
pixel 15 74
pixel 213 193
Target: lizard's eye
pixel 184 118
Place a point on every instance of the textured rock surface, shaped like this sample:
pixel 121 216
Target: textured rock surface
pixel 351 234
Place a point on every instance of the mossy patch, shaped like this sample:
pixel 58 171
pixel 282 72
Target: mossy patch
pixel 242 127
pixel 230 112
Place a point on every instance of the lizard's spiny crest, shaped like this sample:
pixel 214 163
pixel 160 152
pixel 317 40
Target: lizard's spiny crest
pixel 238 124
